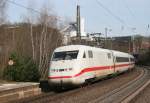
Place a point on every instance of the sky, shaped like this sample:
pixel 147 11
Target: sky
pixel 121 17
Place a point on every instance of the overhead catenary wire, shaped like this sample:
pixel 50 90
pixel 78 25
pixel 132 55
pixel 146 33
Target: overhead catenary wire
pixel 20 5
pixel 131 11
pixel 128 8
pixel 36 11
pixel 28 8
pixel 58 18
pixel 2 3
pixel 112 14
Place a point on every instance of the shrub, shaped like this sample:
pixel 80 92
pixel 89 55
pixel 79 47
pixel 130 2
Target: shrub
pixel 144 59
pixel 23 69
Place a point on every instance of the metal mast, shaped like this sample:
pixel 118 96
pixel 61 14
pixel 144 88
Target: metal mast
pixel 78 22
pixel 106 30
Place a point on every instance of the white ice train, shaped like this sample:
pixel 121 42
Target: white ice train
pixel 77 64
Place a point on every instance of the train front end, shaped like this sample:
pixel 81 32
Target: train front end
pixel 62 67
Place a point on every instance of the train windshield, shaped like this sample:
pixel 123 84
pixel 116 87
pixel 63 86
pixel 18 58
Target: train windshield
pixel 65 55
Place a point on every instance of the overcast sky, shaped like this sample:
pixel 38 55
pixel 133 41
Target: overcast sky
pixel 119 15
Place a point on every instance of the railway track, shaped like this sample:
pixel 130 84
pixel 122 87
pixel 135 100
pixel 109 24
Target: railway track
pixel 124 93
pixel 116 95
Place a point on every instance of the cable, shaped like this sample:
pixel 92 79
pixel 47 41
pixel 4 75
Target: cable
pixel 2 3
pixel 33 10
pixel 115 16
pixel 12 2
pixel 130 11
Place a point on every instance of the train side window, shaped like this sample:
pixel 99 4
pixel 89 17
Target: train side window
pixel 109 55
pixel 90 54
pixel 122 59
pixel 84 55
pixel 132 59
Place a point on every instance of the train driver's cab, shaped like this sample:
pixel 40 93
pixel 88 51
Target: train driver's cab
pixel 65 55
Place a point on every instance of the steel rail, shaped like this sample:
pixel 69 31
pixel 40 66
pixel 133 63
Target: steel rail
pixel 119 94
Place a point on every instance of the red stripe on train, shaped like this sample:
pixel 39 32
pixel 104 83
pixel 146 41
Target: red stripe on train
pixel 89 70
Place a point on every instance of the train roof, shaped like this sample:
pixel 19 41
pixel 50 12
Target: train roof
pixel 122 54
pixel 82 47
pixel 78 47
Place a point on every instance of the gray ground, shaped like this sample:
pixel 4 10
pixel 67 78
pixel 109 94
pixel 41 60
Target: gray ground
pixel 143 97
pixel 91 92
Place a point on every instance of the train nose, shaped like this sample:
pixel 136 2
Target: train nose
pixel 60 73
pixel 60 76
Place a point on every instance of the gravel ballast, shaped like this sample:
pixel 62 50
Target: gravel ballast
pixel 143 97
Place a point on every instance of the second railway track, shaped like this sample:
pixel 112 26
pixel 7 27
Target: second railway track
pixel 121 94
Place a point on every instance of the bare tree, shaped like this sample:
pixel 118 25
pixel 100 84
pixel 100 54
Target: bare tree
pixel 48 23
pixel 44 37
pixel 37 36
pixel 30 21
pixel 3 7
pixel 3 37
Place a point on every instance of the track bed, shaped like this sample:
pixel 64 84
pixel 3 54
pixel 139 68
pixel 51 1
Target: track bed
pixel 85 94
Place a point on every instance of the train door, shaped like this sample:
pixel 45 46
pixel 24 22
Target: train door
pixel 91 61
pixel 90 58
pixel 114 62
pixel 84 61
